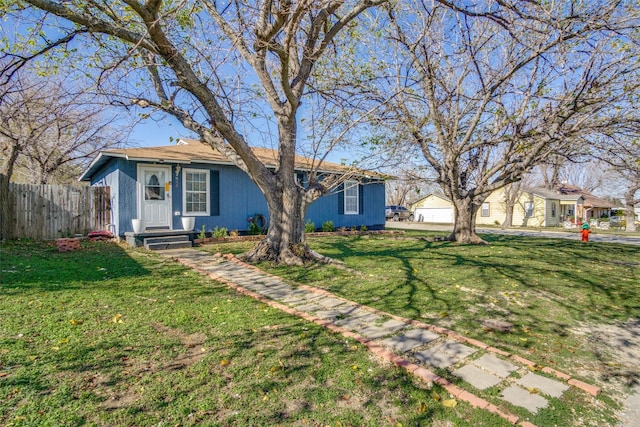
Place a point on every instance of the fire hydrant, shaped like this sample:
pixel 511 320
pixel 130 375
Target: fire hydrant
pixel 585 232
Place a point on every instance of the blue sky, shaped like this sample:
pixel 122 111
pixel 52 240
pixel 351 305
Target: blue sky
pixel 155 132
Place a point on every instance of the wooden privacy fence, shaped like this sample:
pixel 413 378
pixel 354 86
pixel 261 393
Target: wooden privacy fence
pixel 43 212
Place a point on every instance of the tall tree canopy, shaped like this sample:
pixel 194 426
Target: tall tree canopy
pixel 489 92
pixel 218 66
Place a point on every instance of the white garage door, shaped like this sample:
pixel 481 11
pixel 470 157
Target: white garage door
pixel 437 215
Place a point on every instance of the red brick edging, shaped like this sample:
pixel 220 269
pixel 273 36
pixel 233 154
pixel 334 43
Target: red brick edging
pixel 424 374
pixel 588 388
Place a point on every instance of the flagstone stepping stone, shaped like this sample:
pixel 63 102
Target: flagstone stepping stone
pixel 330 302
pixel 401 343
pixel 436 357
pixel 523 398
pixel 372 331
pixel 354 321
pixel 456 349
pixel 300 297
pixel 546 385
pixel 477 377
pixel 327 314
pixel 495 365
pixel 394 325
pixel 421 335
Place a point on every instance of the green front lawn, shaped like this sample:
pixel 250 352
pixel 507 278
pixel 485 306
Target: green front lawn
pixel 114 336
pixel 544 287
pixel 110 336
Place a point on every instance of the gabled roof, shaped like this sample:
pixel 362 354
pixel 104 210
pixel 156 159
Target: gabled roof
pixel 545 193
pixel 590 201
pixel 571 192
pixel 439 196
pixel 188 151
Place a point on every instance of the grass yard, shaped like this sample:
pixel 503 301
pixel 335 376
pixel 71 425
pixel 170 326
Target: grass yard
pixel 110 336
pixel 560 303
pixel 113 336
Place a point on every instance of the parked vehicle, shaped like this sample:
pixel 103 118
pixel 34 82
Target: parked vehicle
pixel 397 213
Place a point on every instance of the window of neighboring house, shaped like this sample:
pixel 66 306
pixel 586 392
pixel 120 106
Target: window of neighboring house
pixel 196 192
pixel 528 209
pixel 485 209
pixel 351 198
pixel 553 209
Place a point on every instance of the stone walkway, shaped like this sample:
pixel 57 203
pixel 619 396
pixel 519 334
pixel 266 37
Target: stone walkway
pixel 412 345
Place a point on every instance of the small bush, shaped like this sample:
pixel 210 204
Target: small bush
pixel 363 228
pixel 257 224
pixel 202 234
pixel 309 227
pixel 219 232
pixel 328 226
pixel 234 233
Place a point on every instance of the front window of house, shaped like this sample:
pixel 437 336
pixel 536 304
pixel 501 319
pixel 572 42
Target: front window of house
pixel 196 192
pixel 485 209
pixel 351 197
pixel 528 209
pixel 553 209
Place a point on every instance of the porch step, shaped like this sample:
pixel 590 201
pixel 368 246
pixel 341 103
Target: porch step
pixel 167 242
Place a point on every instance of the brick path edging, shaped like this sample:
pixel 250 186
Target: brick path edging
pixel 425 375
pixel 588 388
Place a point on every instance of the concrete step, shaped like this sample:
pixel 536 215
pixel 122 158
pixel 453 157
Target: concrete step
pixel 166 239
pixel 159 246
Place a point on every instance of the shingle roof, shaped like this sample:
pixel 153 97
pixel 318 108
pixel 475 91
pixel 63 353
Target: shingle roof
pixel 552 194
pixel 572 192
pixel 193 151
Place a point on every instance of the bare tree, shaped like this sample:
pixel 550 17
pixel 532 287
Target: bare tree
pixel 408 186
pixel 216 66
pixel 512 193
pixel 622 154
pixel 489 92
pixel 47 133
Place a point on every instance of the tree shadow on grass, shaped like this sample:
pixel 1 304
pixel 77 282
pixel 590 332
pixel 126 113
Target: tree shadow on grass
pixel 37 265
pixel 543 285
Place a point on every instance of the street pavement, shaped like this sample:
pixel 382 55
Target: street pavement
pixel 556 233
pixel 417 347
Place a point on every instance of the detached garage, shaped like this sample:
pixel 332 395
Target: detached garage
pixel 433 209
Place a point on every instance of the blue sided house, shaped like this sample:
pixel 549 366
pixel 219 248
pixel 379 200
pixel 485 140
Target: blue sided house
pixel 158 186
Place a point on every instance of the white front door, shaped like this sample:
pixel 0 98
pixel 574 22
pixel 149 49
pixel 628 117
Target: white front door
pixel 154 184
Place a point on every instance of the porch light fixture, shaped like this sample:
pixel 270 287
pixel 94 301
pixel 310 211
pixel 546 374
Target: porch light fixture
pixel 177 170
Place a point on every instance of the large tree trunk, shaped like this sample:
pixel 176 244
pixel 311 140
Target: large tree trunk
pixel 285 242
pixel 508 218
pixel 464 228
pixel 6 211
pixel 511 193
pixel 630 203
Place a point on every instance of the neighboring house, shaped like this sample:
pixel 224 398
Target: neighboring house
pixel 162 184
pixel 594 206
pixel 535 207
pixel 434 209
